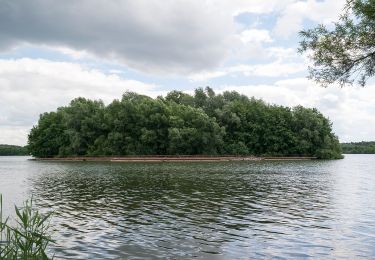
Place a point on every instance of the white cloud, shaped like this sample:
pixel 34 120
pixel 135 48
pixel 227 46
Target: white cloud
pixel 269 70
pixel 236 7
pixel 292 17
pixel 75 54
pixel 14 135
pixel 29 87
pixel 255 36
pixel 282 54
pixel 207 75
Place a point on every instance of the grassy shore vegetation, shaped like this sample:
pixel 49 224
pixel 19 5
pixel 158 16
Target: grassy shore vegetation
pixel 28 238
pixel 12 150
pixel 181 124
pixel 359 148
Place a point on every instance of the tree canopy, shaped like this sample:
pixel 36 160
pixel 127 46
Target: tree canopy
pixel 182 124
pixel 359 148
pixel 346 53
pixel 6 149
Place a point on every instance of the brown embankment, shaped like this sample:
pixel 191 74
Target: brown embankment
pixel 184 158
pixel 294 158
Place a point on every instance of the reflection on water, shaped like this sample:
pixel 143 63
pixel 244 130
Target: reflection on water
pixel 215 210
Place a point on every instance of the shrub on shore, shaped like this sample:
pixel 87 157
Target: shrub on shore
pixel 28 238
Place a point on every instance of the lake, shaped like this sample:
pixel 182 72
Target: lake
pixel 213 210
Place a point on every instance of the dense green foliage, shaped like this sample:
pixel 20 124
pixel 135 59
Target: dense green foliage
pixel 346 53
pixel 12 150
pixel 182 124
pixel 359 148
pixel 28 238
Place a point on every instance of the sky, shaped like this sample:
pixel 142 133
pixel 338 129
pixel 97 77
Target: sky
pixel 54 51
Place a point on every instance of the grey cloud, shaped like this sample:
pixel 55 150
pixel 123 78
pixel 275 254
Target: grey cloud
pixel 154 36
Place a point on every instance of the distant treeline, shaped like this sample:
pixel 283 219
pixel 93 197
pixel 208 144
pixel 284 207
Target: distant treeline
pixel 360 147
pixel 181 124
pixel 12 150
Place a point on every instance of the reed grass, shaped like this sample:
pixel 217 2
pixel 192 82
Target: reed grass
pixel 29 237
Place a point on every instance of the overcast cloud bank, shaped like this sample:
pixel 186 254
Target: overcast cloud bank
pixel 247 46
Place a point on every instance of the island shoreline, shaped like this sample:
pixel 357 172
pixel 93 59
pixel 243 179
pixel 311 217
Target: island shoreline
pixel 182 158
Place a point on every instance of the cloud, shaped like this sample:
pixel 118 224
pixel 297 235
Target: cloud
pixel 148 35
pixel 351 109
pixel 268 70
pixel 236 7
pixel 294 14
pixel 159 37
pixel 13 135
pixel 255 36
pixel 189 39
pixel 29 87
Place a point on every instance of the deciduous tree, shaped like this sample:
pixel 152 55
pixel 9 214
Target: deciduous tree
pixel 346 53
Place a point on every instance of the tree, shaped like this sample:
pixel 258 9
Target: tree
pixel 359 148
pixel 345 54
pixel 180 98
pixel 12 150
pixel 82 119
pixel 206 123
pixel 193 132
pixel 200 97
pixel 48 137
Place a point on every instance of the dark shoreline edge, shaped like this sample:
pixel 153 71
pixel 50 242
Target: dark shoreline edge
pixel 172 158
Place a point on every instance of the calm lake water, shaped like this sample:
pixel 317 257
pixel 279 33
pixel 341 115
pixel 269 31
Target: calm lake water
pixel 226 210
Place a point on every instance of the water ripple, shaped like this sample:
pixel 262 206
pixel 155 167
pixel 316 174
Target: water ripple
pixel 229 210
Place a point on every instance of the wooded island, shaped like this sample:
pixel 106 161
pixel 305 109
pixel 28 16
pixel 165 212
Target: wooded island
pixel 12 150
pixel 181 124
pixel 358 148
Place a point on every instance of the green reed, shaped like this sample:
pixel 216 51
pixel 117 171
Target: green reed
pixel 28 238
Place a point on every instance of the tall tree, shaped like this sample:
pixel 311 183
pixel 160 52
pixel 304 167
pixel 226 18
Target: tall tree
pixel 346 53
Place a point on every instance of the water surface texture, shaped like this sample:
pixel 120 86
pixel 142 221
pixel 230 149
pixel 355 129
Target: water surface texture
pixel 218 210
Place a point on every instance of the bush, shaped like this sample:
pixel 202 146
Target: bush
pixel 28 238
